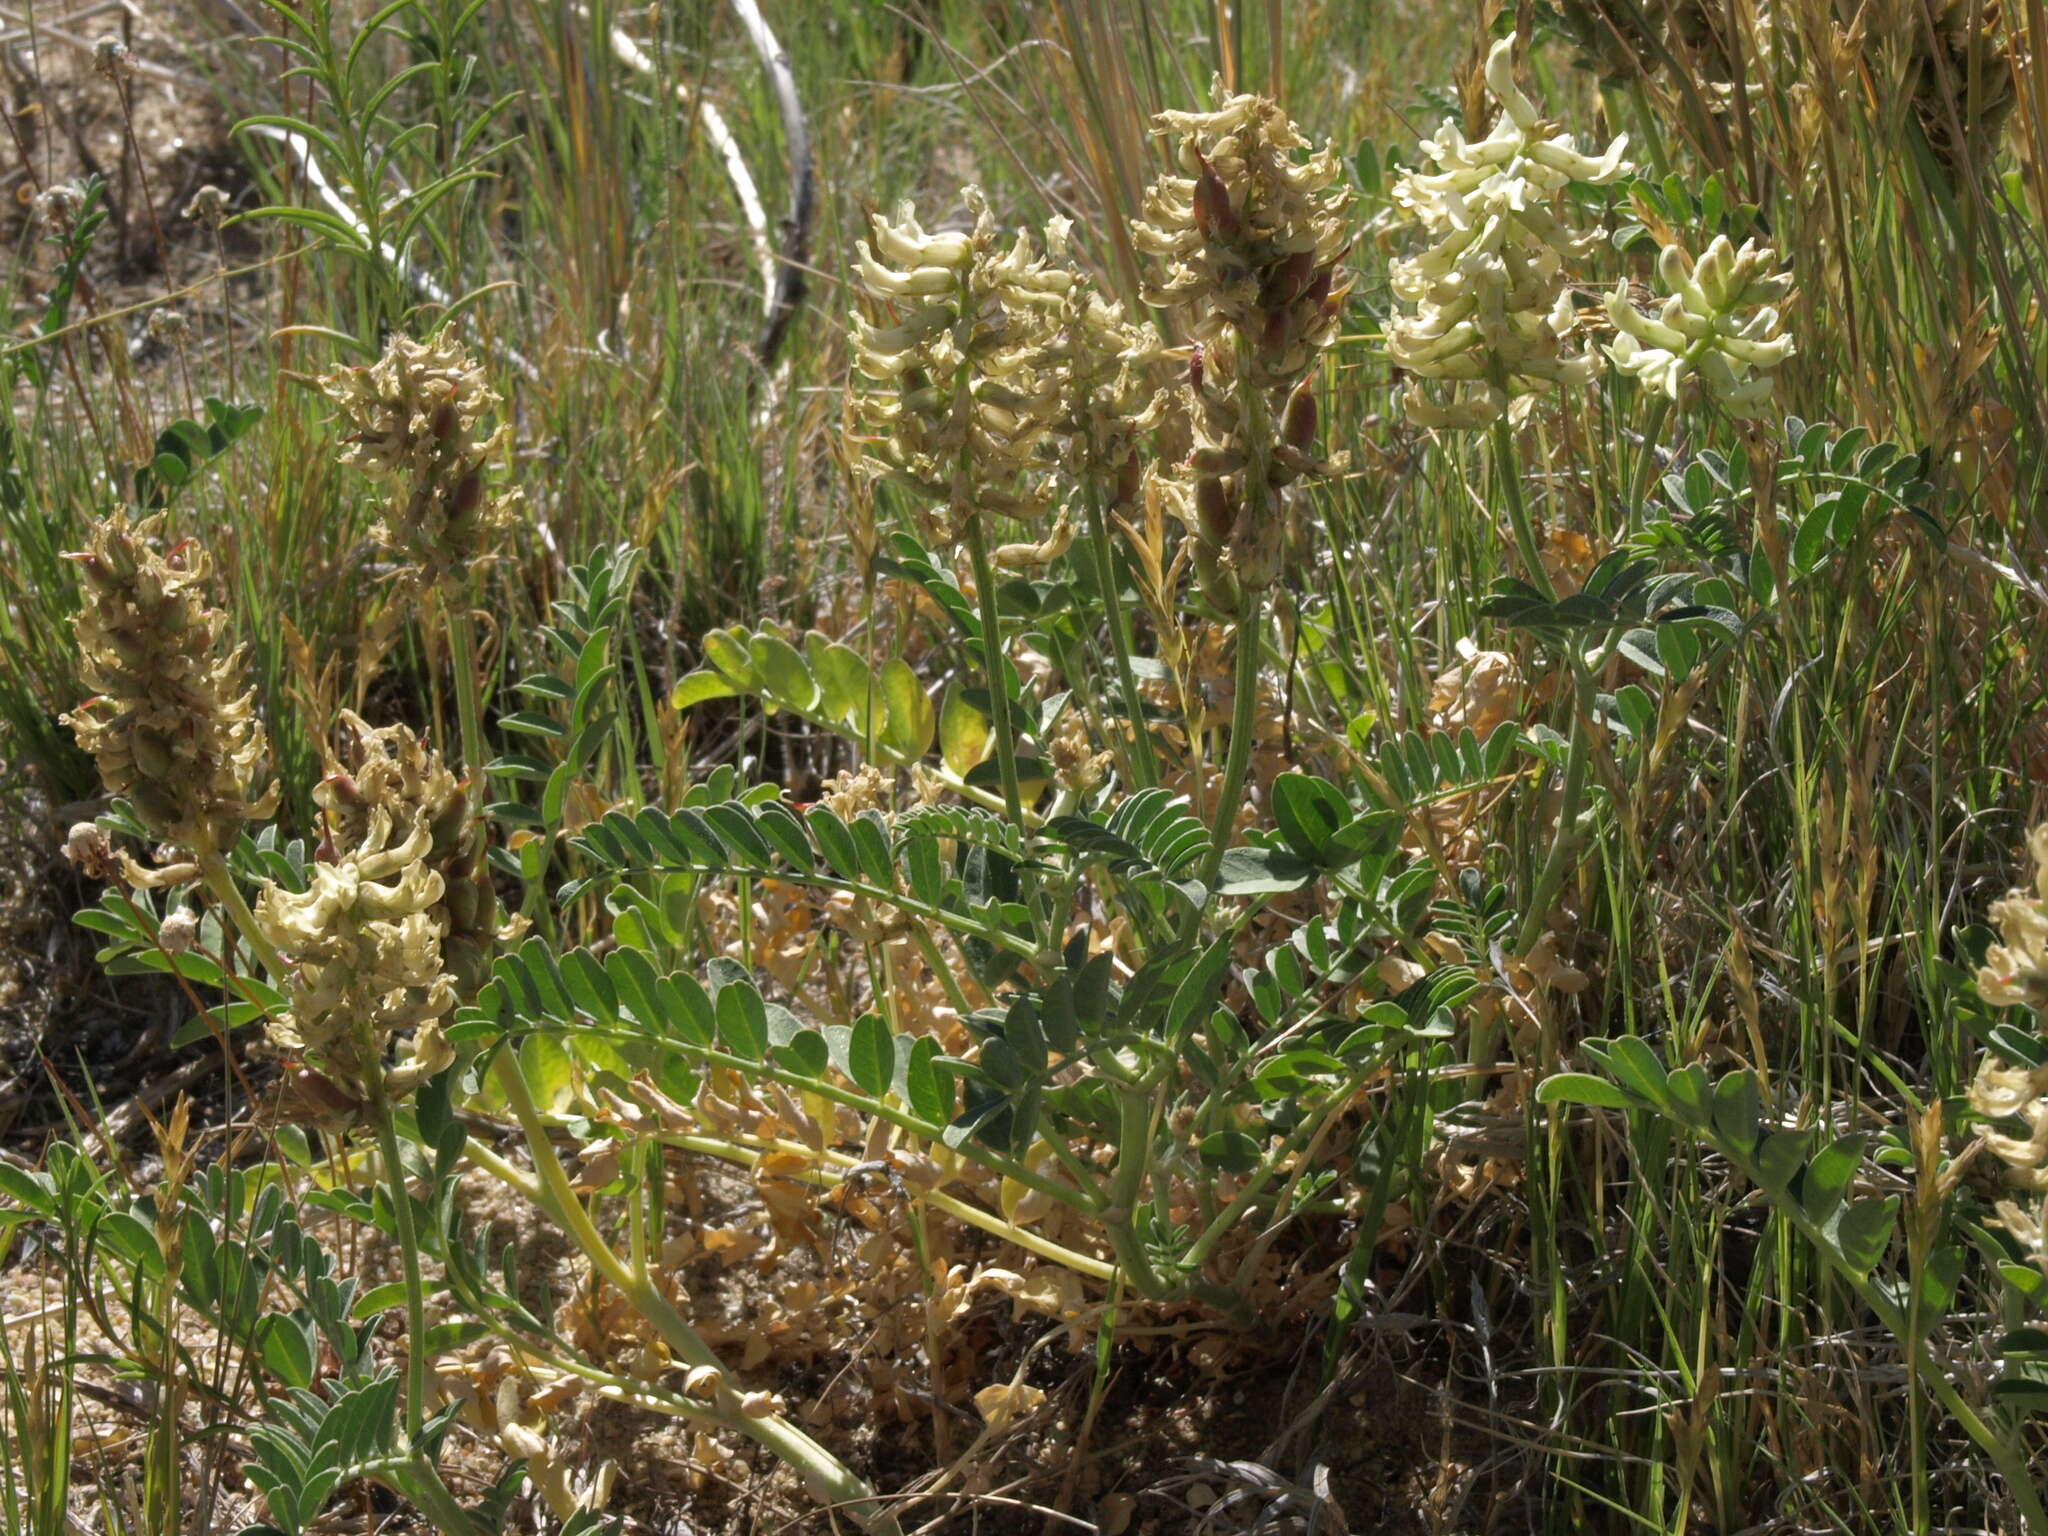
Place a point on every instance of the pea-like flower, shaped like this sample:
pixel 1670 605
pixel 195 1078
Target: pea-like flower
pixel 171 726
pixel 2015 970
pixel 956 335
pixel 1491 309
pixel 1719 326
pixel 419 415
pixel 1106 397
pixel 1246 245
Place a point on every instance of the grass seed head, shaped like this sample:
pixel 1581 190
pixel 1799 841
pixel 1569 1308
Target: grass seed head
pixel 170 726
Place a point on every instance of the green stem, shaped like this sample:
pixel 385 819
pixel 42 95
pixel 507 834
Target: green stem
pixel 1144 766
pixel 2005 1454
pixel 1243 719
pixel 220 884
pixel 997 669
pixel 1646 460
pixel 409 1258
pixel 1134 1157
pixel 469 705
pixel 1504 469
pixel 826 1478
pixel 1578 751
pixel 745 1155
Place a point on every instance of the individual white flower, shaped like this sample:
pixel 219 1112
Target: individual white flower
pixel 1719 325
pixel 2015 970
pixel 1490 306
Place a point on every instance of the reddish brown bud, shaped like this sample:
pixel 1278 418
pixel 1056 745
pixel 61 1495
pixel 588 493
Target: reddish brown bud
pixel 1214 216
pixel 1129 475
pixel 1287 280
pixel 1298 425
pixel 1215 509
pixel 1195 367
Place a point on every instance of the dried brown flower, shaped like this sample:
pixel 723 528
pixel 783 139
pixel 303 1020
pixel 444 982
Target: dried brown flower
pixel 419 417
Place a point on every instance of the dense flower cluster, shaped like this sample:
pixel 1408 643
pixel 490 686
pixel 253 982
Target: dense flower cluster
pixel 392 927
pixel 1107 398
pixel 171 726
pixel 959 335
pixel 1720 326
pixel 1249 238
pixel 1246 245
pixel 1491 309
pixel 2015 970
pixel 419 415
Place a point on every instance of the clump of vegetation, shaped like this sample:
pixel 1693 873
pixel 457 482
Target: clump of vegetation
pixel 1202 774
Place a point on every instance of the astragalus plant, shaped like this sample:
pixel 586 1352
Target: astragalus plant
pixel 1004 947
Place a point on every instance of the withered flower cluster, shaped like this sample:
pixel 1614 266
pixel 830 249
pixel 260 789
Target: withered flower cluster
pixel 1246 244
pixel 418 416
pixel 394 924
pixel 170 726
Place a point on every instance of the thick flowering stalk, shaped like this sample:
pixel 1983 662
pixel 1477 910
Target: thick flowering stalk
pixel 1246 244
pixel 958 335
pixel 394 881
pixel 1718 331
pixel 171 725
pixel 1491 309
pixel 419 415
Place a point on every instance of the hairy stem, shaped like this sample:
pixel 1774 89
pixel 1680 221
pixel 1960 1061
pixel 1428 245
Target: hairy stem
pixel 469 705
pixel 1243 719
pixel 220 884
pixel 1505 470
pixel 997 669
pixel 1144 766
pixel 1646 459
pixel 409 1257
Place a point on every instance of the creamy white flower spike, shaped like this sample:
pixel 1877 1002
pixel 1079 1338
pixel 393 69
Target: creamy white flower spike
pixel 2015 974
pixel 392 930
pixel 1720 325
pixel 1490 309
pixel 959 335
